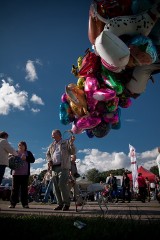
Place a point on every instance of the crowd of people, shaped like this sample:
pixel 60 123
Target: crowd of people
pixel 60 177
pixel 61 157
pixel 142 193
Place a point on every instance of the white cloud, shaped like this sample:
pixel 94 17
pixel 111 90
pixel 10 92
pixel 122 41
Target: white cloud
pixel 11 97
pixel 130 120
pixel 102 161
pixel 36 99
pixel 31 71
pixel 35 110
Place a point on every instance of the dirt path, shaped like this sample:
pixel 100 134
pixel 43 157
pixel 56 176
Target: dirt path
pixel 133 210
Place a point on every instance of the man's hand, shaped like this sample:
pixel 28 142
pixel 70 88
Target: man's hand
pixel 50 164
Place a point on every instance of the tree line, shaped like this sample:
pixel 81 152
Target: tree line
pixel 95 175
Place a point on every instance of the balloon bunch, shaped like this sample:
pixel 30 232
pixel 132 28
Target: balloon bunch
pixel 124 56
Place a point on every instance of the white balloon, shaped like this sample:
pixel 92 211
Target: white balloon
pixel 112 50
pixel 140 77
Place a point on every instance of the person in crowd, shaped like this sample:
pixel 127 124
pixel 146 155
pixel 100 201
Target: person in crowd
pixel 72 178
pixel 5 149
pixel 20 177
pixel 126 188
pixel 34 189
pixel 58 156
pixel 48 181
pixel 148 189
pixel 112 181
pixel 141 187
pixel 157 188
pixel 47 176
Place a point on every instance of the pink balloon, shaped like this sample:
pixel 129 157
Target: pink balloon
pixel 101 107
pixel 111 117
pixel 91 84
pixel 104 94
pixel 125 102
pixel 64 97
pixel 76 130
pixel 91 102
pixel 87 122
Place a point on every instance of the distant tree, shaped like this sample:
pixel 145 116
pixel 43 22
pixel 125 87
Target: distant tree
pixel 154 170
pixel 93 175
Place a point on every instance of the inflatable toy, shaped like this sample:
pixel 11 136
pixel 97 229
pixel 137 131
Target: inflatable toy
pixel 113 51
pixel 140 77
pixel 142 23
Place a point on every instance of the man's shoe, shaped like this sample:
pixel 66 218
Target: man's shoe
pixel 11 206
pixel 25 206
pixel 58 208
pixel 65 208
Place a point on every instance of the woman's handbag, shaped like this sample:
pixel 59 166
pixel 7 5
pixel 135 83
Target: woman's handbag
pixel 15 162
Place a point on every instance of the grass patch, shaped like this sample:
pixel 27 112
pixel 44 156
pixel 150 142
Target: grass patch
pixel 62 227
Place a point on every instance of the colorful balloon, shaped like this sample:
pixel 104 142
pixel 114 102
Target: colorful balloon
pixel 111 81
pixel 143 50
pixel 124 102
pixel 78 111
pixel 111 117
pixel 104 94
pixel 89 133
pixel 81 82
pixel 65 113
pixel 75 129
pixel 77 96
pixel 64 97
pixel 91 84
pixel 113 51
pixel 101 130
pixel 112 105
pixel 87 122
pixel 91 102
pixel 90 64
pixel 95 26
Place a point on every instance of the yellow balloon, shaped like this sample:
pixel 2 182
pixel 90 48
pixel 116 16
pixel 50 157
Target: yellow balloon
pixel 77 96
pixel 80 82
pixel 78 111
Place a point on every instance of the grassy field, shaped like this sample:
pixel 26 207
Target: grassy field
pixel 62 228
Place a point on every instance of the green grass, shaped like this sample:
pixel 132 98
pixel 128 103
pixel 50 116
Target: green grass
pixel 62 228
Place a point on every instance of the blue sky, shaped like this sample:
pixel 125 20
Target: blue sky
pixel 40 40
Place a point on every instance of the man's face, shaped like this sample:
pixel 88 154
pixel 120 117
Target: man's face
pixel 56 136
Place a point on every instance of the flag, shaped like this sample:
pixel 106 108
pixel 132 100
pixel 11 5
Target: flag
pixel 132 155
pixel 158 160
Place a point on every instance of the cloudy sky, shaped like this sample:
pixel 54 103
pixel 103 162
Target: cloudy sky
pixel 40 41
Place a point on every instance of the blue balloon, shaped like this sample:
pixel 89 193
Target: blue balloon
pixel 65 113
pixel 89 133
